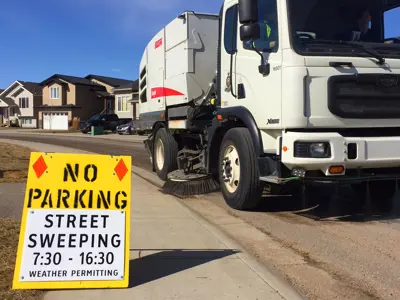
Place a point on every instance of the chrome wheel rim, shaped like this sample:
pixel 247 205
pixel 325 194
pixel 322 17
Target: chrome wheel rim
pixel 231 169
pixel 160 154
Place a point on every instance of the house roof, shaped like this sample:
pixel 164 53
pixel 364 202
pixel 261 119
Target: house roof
pixel 114 82
pixel 134 85
pixel 8 101
pixel 71 79
pixel 33 87
pixel 103 94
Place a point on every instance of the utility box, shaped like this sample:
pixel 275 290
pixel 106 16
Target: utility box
pixel 180 62
pixel 97 130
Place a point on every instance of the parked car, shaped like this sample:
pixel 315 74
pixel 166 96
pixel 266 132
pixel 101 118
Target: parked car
pixel 107 121
pixel 127 128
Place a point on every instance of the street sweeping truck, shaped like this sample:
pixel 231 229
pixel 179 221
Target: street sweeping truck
pixel 271 94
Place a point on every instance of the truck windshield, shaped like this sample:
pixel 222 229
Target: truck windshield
pixel 345 28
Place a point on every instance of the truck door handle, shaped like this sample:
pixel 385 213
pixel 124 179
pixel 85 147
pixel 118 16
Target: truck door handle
pixel 336 64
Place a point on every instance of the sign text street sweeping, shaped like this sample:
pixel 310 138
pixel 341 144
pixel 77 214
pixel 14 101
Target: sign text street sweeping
pixel 75 222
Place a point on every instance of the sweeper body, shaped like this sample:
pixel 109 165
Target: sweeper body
pixel 271 94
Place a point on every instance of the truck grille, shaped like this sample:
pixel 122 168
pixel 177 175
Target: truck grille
pixel 364 96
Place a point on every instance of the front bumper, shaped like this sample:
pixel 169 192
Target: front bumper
pixel 372 152
pixel 123 129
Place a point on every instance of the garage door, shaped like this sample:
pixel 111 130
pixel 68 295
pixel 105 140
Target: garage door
pixel 55 121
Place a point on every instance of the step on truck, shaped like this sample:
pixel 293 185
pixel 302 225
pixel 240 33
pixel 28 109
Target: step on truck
pixel 272 93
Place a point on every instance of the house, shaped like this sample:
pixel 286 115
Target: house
pixel 18 103
pixel 123 110
pixel 127 100
pixel 66 97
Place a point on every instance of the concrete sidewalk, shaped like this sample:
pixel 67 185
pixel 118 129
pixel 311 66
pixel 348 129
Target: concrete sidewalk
pixel 176 254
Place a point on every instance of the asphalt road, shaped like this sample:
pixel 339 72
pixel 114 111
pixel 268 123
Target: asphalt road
pixel 112 146
pixel 331 252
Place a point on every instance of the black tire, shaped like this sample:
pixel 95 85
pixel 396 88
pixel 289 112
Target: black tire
pixel 248 192
pixel 170 153
pixel 381 193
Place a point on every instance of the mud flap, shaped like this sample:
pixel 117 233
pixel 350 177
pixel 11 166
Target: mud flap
pixel 148 144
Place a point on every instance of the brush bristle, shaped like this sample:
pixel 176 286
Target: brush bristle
pixel 188 188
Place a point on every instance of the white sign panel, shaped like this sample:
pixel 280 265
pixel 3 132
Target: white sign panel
pixel 73 245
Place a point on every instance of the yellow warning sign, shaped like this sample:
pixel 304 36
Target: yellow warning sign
pixel 75 222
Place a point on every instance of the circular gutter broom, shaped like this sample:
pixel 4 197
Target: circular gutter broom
pixel 184 185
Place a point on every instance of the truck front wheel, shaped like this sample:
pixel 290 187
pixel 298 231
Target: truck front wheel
pixel 165 153
pixel 238 170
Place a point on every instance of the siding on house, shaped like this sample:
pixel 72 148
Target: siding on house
pixel 88 102
pixel 67 94
pixel 26 96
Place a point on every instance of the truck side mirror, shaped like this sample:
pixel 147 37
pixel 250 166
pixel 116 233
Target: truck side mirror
pixel 249 32
pixel 248 11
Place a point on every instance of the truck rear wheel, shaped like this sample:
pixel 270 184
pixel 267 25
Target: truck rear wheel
pixel 165 153
pixel 239 173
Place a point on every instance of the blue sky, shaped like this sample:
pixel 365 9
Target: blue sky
pixel 78 37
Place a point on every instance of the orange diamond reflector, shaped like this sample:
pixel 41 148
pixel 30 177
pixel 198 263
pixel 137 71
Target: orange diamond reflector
pixel 39 166
pixel 121 169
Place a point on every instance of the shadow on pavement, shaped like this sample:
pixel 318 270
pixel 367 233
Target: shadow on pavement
pixel 331 204
pixel 168 262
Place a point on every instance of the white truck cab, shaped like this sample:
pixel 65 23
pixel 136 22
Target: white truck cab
pixel 304 89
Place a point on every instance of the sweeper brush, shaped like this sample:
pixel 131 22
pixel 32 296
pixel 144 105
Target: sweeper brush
pixel 184 185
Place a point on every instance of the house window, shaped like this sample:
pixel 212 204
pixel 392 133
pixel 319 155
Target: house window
pixel 24 102
pixel 27 121
pixel 123 105
pixel 55 93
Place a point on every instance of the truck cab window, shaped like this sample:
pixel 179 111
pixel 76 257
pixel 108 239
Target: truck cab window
pixel 268 21
pixel 391 19
pixel 230 30
pixel 344 28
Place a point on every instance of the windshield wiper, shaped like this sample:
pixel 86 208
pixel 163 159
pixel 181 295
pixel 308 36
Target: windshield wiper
pixel 380 59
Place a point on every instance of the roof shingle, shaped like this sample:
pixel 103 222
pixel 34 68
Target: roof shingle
pixel 114 82
pixel 134 85
pixel 8 101
pixel 71 79
pixel 33 87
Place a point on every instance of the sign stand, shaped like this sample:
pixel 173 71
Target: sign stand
pixel 75 227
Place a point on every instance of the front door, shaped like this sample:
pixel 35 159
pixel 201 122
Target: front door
pixel 109 105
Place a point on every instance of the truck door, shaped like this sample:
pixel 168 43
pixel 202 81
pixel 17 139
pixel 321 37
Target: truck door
pixel 228 44
pixel 244 85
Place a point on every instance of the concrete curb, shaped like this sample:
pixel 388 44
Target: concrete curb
pixel 274 280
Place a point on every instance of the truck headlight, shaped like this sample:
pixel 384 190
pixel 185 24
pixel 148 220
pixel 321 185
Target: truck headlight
pixel 312 149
